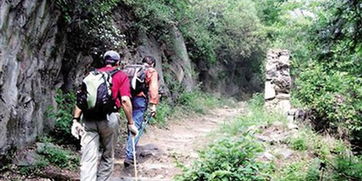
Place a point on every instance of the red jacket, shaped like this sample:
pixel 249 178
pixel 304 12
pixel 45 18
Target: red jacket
pixel 120 85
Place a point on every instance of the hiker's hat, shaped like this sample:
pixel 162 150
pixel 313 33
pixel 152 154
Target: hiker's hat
pixel 111 57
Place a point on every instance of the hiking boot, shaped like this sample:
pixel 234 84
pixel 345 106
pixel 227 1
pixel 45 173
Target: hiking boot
pixel 128 162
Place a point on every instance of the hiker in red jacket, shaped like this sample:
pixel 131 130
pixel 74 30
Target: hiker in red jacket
pixel 101 130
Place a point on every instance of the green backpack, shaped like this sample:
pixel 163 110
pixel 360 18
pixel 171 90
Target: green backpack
pixel 95 93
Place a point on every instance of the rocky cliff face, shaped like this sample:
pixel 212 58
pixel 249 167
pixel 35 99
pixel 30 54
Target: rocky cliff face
pixel 31 51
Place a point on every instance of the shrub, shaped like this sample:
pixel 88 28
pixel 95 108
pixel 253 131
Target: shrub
pixel 63 117
pixel 333 96
pixel 212 29
pixel 298 144
pixel 163 112
pixel 348 168
pixel 227 159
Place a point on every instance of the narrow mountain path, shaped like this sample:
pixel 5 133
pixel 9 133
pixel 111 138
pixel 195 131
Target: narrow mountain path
pixel 160 148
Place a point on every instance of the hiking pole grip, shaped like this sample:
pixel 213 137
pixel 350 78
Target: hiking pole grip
pixel 134 158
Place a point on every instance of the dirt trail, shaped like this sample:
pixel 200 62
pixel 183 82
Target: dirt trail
pixel 160 148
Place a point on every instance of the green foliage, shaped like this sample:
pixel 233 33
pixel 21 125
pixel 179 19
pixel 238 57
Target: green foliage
pixel 287 25
pixel 214 30
pixel 62 115
pixel 323 37
pixel 198 102
pixel 85 10
pixel 270 11
pixel 298 144
pixel 34 169
pixel 163 112
pixel 334 77
pixel 256 102
pixel 227 159
pixel 316 157
pixel 187 103
pixel 331 94
pixel 156 13
pixel 90 27
pixel 300 171
pixel 348 168
pixel 59 157
pixel 182 102
pixel 226 28
pixel 256 116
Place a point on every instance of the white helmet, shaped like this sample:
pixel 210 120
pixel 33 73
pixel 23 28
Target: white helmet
pixel 111 57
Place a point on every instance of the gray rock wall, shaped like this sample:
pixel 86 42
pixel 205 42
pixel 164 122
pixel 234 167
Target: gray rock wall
pixel 30 62
pixel 180 62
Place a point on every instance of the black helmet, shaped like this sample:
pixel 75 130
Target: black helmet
pixel 111 57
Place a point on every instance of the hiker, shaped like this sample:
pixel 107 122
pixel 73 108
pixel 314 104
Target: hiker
pixel 146 98
pixel 101 129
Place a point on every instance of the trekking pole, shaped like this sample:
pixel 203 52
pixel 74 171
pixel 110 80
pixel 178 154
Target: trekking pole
pixel 144 125
pixel 134 158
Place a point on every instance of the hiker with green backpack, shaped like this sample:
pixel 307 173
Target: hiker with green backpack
pixel 103 92
pixel 144 90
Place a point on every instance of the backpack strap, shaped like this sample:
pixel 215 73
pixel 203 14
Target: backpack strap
pixel 112 72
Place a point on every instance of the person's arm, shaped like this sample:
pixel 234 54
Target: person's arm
pixel 127 108
pixel 126 104
pixel 153 90
pixel 77 113
pixel 153 87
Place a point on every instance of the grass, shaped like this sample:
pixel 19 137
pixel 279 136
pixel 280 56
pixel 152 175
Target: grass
pixel 188 103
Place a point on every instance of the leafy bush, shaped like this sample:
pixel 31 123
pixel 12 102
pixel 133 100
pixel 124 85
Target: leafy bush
pixel 323 37
pixel 227 159
pixel 62 115
pixel 223 29
pixel 348 167
pixel 331 95
pixel 163 112
pixel 213 29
